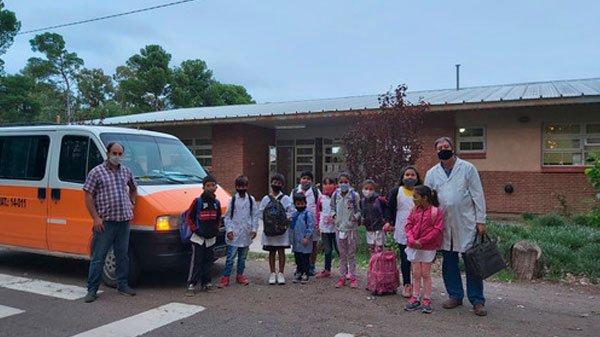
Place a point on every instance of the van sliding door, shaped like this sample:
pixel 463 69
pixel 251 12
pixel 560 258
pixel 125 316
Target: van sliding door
pixel 69 224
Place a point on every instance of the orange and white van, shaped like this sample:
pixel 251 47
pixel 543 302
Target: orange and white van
pixel 42 208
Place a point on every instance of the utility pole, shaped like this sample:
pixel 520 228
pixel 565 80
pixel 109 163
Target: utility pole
pixel 458 77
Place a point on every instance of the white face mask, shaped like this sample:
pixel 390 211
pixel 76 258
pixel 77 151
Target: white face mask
pixel 367 193
pixel 115 160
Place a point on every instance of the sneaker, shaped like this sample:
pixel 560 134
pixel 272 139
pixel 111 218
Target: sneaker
pixel 224 282
pixel 280 278
pixel 241 279
pixel 311 270
pixel 297 278
pixel 407 291
pixel 304 279
pixel 126 290
pixel 341 282
pixel 90 297
pixel 324 273
pixel 353 283
pixel 479 309
pixel 191 290
pixel 412 304
pixel 209 288
pixel 451 303
pixel 273 279
pixel 426 309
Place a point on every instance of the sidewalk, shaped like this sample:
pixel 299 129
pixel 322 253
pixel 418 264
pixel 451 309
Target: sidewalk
pixel 256 246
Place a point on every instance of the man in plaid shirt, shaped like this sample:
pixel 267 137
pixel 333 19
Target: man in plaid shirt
pixel 110 192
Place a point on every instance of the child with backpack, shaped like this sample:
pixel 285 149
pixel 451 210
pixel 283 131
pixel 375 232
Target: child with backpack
pixel 241 224
pixel 372 207
pixel 345 211
pixel 301 230
pixel 312 194
pixel 400 203
pixel 203 218
pixel 424 232
pixel 276 210
pixel 326 225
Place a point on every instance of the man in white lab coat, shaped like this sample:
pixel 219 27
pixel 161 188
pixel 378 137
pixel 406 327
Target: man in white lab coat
pixel 462 202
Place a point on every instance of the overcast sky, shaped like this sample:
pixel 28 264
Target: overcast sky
pixel 294 50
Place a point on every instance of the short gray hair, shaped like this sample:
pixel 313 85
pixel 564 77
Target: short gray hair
pixel 443 139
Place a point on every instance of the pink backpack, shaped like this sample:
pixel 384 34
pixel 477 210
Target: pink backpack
pixel 383 276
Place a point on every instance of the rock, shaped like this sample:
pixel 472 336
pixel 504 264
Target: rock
pixel 526 260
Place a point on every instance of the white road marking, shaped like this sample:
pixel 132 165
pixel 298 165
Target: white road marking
pixel 8 311
pixel 144 322
pixel 343 334
pixel 46 288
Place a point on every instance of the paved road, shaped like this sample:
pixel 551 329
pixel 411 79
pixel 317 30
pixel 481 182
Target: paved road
pixel 42 296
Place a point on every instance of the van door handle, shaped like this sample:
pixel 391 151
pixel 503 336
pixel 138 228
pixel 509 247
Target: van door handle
pixel 42 193
pixel 55 194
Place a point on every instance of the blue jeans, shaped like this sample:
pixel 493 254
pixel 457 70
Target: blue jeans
pixel 115 234
pixel 328 246
pixel 453 281
pixel 242 253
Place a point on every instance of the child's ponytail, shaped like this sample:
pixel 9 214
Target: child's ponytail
pixel 429 193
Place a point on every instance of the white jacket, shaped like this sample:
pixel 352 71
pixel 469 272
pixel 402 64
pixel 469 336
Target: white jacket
pixel 461 201
pixel 243 222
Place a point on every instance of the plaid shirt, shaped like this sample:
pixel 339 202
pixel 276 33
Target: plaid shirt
pixel 110 192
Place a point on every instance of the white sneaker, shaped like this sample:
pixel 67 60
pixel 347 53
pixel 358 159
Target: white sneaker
pixel 280 278
pixel 273 278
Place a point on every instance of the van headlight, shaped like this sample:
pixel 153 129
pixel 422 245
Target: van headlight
pixel 167 222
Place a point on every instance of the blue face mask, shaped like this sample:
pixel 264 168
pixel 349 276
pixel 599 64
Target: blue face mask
pixel 344 187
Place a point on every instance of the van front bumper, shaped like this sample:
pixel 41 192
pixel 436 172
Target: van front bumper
pixel 164 249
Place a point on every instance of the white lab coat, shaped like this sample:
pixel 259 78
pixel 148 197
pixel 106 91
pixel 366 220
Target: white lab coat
pixel 461 201
pixel 242 223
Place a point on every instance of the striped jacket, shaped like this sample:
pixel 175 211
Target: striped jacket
pixel 204 220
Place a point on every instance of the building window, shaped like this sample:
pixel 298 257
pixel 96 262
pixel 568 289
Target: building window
pixel 333 157
pixel 201 149
pixel 570 144
pixel 471 139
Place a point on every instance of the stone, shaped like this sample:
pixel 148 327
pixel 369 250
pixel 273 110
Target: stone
pixel 526 260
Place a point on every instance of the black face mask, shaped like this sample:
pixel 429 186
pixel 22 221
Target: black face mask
pixel 301 209
pixel 276 188
pixel 409 182
pixel 445 154
pixel 208 194
pixel 241 192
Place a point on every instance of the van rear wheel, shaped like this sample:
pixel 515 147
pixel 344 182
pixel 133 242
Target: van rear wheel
pixel 109 271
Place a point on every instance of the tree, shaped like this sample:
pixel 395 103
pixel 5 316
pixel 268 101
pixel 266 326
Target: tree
pixel 143 82
pixel 227 94
pixel 94 87
pixel 17 103
pixel 379 144
pixel 59 67
pixel 9 27
pixel 189 84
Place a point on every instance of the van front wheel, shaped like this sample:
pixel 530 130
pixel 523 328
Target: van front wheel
pixel 109 271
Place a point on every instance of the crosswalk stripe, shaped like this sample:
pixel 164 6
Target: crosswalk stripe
pixel 40 287
pixel 144 322
pixel 8 311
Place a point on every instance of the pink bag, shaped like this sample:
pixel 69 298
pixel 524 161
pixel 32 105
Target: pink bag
pixel 383 276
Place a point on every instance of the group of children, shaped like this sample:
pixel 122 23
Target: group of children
pixel 333 216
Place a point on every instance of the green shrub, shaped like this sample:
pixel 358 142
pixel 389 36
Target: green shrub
pixel 582 220
pixel 550 219
pixel 528 216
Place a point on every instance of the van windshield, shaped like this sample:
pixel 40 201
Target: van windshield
pixel 157 160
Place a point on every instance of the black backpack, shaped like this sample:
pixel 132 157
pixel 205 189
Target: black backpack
pixel 275 221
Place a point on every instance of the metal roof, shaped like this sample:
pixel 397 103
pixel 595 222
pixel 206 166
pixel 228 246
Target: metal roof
pixel 521 92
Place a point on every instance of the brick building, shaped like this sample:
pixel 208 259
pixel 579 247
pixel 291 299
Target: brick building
pixel 533 137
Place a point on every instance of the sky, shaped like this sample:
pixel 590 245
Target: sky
pixel 297 50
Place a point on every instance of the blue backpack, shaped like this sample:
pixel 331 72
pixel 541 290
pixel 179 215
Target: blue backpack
pixel 185 232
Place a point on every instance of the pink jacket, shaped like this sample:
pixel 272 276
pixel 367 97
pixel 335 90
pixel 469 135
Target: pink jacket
pixel 420 226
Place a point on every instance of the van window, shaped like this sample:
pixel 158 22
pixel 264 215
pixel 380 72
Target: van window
pixel 78 155
pixel 23 157
pixel 157 160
